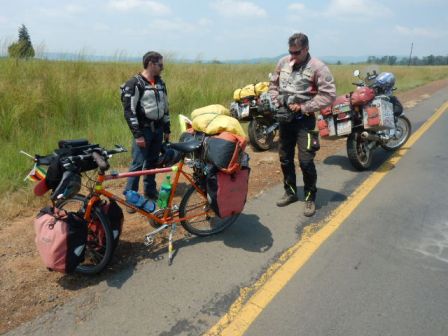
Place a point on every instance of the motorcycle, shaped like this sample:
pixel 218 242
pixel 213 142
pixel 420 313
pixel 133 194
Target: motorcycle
pixel 258 111
pixel 370 117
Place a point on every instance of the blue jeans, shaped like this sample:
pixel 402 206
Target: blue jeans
pixel 146 158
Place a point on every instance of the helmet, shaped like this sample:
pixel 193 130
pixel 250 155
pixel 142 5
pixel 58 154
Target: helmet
pixel 68 187
pixel 169 156
pixel 385 81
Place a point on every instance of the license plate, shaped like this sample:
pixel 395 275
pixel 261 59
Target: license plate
pixel 344 127
pixel 244 111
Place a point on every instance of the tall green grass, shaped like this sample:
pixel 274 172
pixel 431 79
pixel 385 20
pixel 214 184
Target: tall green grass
pixel 42 102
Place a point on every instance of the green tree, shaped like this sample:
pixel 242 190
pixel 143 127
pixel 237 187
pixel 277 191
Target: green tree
pixel 23 48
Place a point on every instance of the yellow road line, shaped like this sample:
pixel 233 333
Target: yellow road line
pixel 242 314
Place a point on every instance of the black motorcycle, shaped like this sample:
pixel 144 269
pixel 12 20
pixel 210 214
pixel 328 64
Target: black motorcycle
pixel 258 111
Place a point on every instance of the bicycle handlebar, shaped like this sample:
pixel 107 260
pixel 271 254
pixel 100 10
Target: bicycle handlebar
pixel 98 154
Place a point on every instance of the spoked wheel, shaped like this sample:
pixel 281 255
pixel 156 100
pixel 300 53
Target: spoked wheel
pixel 359 151
pixel 258 137
pixel 402 134
pixel 99 245
pixel 208 223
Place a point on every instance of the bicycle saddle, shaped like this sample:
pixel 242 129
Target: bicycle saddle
pixel 187 147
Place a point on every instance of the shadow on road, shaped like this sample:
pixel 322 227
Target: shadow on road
pixel 129 254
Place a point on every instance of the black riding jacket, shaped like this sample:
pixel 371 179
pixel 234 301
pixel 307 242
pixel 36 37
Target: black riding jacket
pixel 145 105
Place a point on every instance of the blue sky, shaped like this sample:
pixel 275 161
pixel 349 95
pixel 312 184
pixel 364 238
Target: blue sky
pixel 228 29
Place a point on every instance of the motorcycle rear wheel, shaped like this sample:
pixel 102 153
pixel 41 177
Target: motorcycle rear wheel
pixel 259 140
pixel 402 134
pixel 359 152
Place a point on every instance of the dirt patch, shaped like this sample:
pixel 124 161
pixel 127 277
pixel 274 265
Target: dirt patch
pixel 27 289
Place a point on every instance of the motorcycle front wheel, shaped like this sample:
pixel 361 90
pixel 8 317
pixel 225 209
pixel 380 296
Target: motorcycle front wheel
pixel 402 134
pixel 359 152
pixel 259 139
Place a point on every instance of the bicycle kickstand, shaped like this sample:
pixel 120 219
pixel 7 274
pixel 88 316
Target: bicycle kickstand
pixel 170 244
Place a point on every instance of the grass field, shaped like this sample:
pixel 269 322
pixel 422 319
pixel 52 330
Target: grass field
pixel 42 102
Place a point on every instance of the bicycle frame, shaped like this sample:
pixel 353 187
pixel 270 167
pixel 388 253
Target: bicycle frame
pixel 168 217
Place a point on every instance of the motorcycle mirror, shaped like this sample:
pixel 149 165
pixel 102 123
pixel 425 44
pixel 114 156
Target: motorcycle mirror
pixel 356 73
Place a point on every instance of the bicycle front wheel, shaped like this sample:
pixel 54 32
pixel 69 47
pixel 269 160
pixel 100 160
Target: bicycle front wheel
pixel 202 219
pixel 99 246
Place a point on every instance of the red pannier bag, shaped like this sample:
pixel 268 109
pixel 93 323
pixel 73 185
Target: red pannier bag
pixel 60 239
pixel 225 151
pixel 115 215
pixel 362 96
pixel 373 116
pixel 324 130
pixel 227 193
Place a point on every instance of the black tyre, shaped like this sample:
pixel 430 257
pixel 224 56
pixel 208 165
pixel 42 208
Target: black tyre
pixel 100 243
pixel 206 224
pixel 402 133
pixel 259 139
pixel 359 151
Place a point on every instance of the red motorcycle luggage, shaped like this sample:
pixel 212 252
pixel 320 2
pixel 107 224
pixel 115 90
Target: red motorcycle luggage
pixel 362 96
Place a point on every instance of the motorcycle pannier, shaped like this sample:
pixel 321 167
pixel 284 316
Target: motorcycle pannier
pixel 227 193
pixel 378 115
pixel 60 239
pixel 362 96
pixel 225 151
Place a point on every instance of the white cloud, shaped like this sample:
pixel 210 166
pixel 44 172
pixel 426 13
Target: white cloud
pixel 101 27
pixel 231 8
pixel 356 9
pixel 296 6
pixel 3 19
pixel 126 5
pixel 74 9
pixel 174 25
pixel 422 32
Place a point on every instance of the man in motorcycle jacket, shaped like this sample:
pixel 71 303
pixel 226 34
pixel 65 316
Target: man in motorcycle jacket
pixel 145 104
pixel 303 85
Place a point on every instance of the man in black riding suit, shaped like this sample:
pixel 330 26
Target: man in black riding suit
pixel 303 85
pixel 145 104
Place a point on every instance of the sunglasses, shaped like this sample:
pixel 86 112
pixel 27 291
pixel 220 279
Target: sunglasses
pixel 295 53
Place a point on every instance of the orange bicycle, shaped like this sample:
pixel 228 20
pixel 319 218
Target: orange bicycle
pixel 193 212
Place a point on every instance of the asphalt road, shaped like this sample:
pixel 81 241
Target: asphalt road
pixel 380 273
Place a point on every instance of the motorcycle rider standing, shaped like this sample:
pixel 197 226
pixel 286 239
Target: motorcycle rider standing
pixel 304 85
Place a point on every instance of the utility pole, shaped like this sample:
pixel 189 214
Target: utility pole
pixel 410 55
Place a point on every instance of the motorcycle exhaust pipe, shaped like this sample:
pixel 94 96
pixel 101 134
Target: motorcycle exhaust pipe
pixel 373 137
pixel 370 137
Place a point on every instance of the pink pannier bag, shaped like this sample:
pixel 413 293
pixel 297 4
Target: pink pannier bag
pixel 60 239
pixel 227 193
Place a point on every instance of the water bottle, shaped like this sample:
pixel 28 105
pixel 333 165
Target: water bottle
pixel 139 201
pixel 164 193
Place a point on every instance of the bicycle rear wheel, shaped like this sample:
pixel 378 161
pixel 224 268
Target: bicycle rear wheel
pixel 99 245
pixel 202 225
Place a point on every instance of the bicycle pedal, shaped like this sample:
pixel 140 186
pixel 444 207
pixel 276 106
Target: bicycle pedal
pixel 148 241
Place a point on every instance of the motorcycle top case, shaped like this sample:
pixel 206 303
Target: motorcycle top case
pixel 379 114
pixel 341 104
pixel 60 239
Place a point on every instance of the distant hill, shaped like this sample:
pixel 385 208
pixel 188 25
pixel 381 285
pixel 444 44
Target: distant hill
pixel 258 60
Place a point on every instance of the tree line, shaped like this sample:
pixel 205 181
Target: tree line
pixel 394 60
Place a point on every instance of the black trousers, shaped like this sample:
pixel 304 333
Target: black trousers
pixel 292 134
